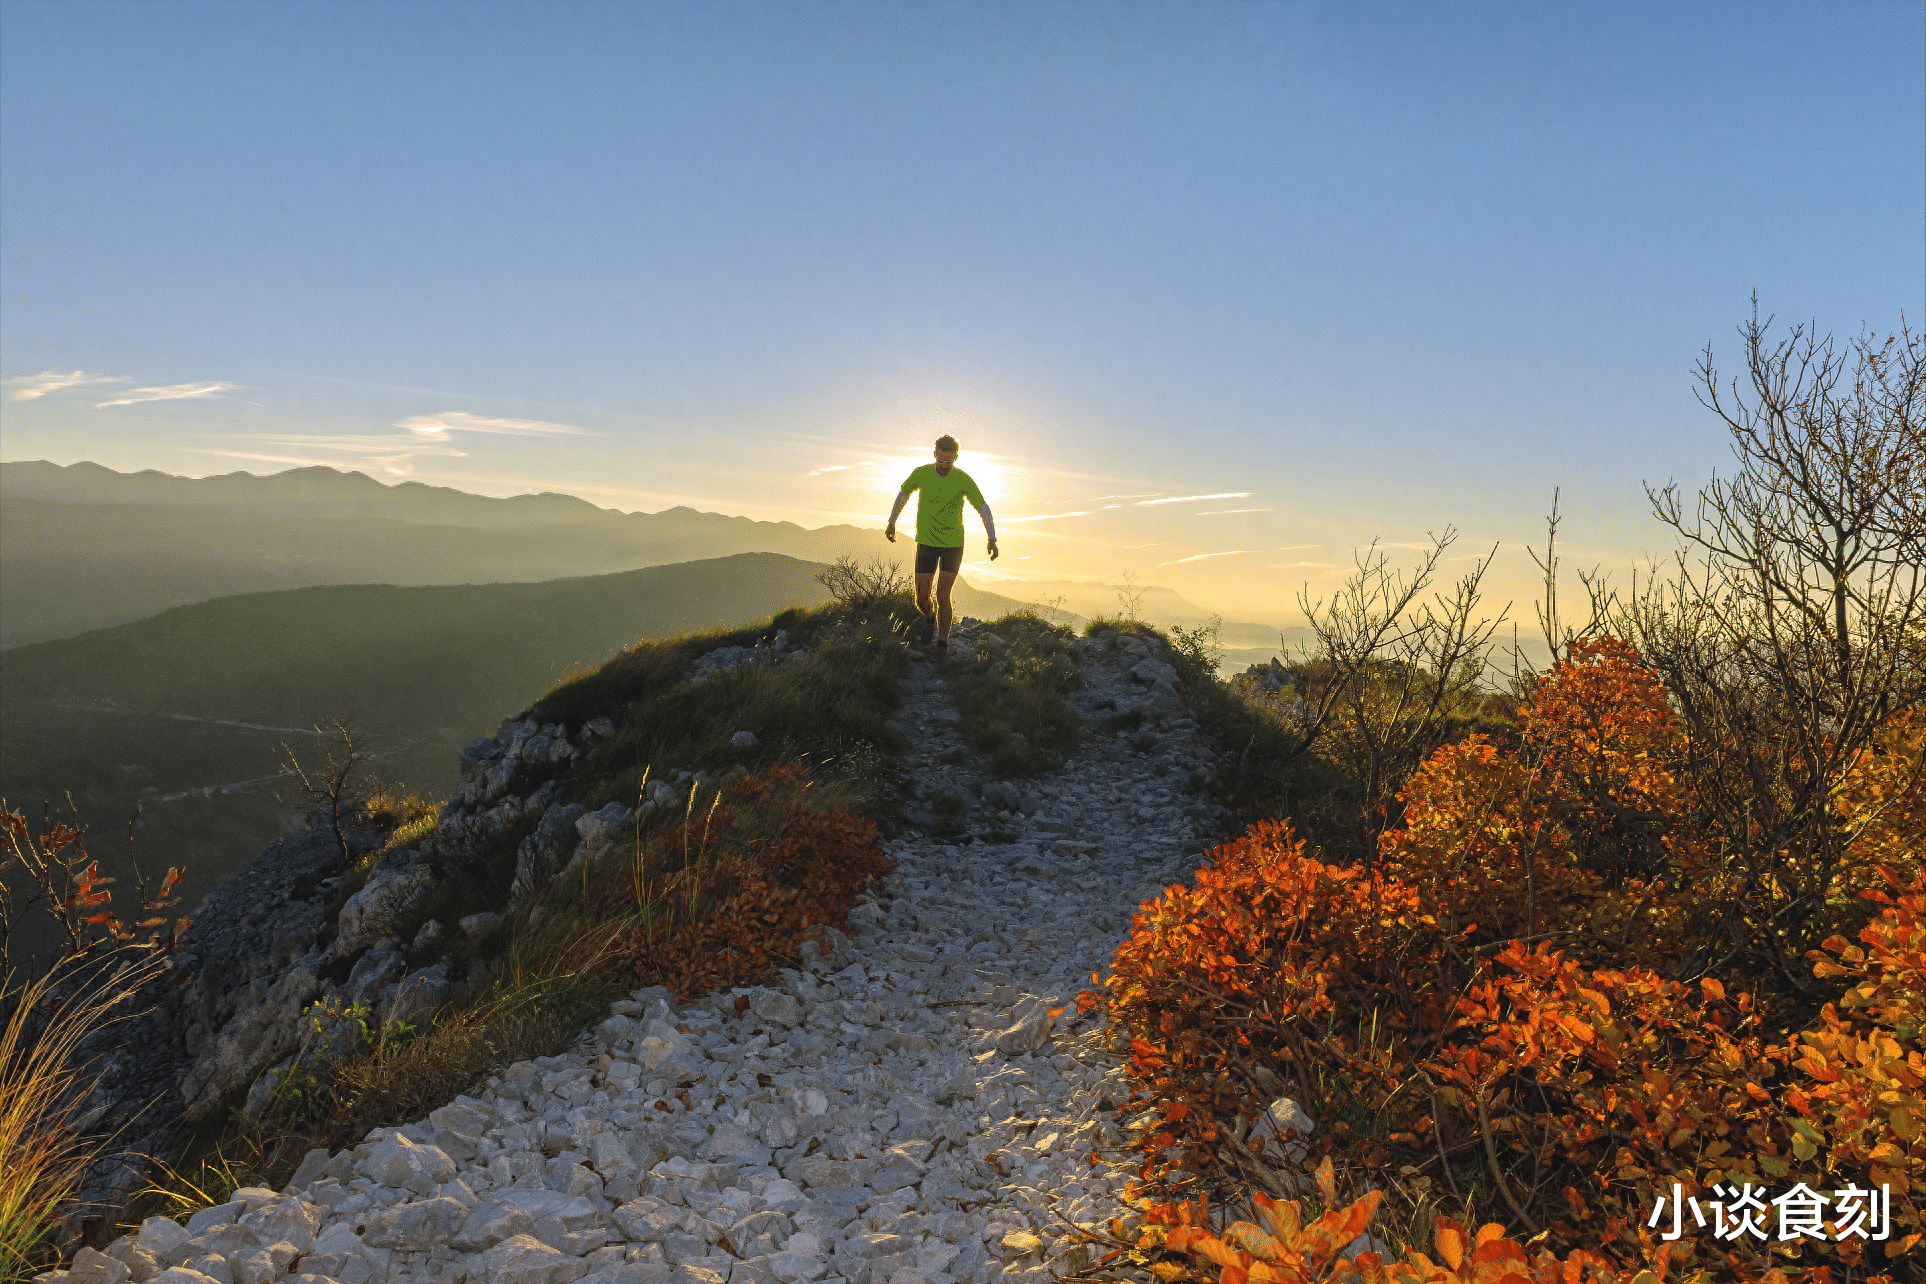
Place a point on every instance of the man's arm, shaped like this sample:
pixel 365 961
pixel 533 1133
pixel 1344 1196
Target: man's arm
pixel 977 502
pixel 889 531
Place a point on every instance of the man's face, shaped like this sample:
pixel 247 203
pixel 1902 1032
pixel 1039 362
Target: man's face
pixel 945 460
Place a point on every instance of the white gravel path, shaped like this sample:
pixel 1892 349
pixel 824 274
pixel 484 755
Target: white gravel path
pixel 907 1113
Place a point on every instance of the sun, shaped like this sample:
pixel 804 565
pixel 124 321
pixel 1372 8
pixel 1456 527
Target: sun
pixel 988 471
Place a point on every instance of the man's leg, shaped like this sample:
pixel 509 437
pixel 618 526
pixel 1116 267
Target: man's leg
pixel 944 579
pixel 923 600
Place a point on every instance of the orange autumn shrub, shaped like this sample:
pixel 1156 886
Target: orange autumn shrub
pixel 1520 944
pixel 1482 848
pixel 1589 1093
pixel 1884 799
pixel 1613 1089
pixel 1251 969
pixel 1580 833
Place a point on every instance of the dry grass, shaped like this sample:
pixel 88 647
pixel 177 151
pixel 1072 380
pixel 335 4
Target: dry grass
pixel 44 1080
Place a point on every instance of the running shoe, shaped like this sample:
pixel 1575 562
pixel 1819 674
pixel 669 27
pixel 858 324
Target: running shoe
pixel 942 648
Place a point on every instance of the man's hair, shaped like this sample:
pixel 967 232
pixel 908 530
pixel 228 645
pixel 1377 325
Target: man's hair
pixel 946 442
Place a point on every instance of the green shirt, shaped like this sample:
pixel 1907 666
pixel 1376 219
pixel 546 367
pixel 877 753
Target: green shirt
pixel 939 506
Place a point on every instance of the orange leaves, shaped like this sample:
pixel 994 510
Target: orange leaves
pixel 782 869
pixel 1246 968
pixel 1583 827
pixel 1293 1253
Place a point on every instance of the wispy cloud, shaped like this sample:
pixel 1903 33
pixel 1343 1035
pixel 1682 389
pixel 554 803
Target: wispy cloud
pixel 437 427
pixel 392 453
pixel 395 453
pixel 171 392
pixel 1299 566
pixel 1201 556
pixel 1226 512
pixel 1140 496
pixel 30 387
pixel 829 468
pixel 1296 548
pixel 1185 499
pixel 1042 517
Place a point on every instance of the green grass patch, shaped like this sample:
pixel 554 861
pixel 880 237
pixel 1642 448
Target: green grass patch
pixel 828 709
pixel 1011 695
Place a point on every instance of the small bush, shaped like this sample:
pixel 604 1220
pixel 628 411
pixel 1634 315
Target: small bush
pixel 865 589
pixel 408 816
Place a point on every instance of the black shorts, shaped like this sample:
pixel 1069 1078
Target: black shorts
pixel 929 557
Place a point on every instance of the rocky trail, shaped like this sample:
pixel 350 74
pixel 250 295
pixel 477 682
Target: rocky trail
pixel 923 1107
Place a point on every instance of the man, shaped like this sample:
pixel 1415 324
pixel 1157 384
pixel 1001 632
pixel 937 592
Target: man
pixel 941 489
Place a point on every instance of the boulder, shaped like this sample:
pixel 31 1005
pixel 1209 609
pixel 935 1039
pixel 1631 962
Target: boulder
pixel 142 1264
pixel 777 1007
pixel 264 1265
pixel 293 1221
pixel 1027 1035
pixel 215 1215
pixel 526 1260
pixel 418 1225
pixel 603 830
pixel 1278 1134
pixel 386 906
pixel 565 1222
pixel 397 1161
pixel 488 1224
pixel 542 853
pixel 90 1267
pixel 414 998
pixel 162 1235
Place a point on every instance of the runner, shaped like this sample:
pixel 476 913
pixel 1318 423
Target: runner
pixel 942 487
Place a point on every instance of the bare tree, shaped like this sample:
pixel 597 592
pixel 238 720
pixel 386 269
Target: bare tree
pixel 1386 672
pixel 1790 629
pixel 334 785
pixel 1558 632
pixel 863 587
pixel 1130 596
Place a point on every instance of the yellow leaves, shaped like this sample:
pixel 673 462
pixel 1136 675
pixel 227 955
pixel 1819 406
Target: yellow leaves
pixel 1905 1124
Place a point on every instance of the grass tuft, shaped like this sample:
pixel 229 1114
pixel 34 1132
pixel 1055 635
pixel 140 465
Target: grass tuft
pixel 44 1081
pixel 1011 695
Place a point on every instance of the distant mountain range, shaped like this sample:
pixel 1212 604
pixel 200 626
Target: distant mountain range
pixel 448 660
pixel 84 547
pixel 166 635
pixel 192 705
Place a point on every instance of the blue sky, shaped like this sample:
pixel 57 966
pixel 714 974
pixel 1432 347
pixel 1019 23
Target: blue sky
pixel 1355 270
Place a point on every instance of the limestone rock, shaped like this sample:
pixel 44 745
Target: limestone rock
pixel 526 1260
pixel 418 1225
pixel 489 1223
pixel 397 1161
pixel 1027 1035
pixel 293 1221
pixel 385 906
